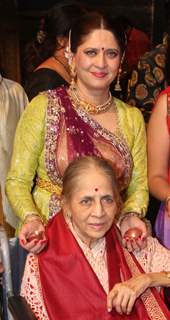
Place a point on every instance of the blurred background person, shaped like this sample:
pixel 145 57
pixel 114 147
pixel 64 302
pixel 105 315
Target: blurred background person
pixel 45 59
pixel 149 78
pixel 138 42
pixel 13 99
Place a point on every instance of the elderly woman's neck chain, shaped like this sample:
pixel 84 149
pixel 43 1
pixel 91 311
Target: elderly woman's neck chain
pixel 90 108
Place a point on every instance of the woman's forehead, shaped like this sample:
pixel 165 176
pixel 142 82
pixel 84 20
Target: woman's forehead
pixel 92 181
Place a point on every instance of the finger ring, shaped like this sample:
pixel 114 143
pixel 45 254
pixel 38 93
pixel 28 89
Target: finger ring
pixel 36 232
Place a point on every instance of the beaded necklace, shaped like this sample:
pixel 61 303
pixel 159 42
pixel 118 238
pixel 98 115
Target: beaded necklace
pixel 90 108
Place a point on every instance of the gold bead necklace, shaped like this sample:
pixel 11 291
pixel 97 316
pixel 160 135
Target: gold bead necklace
pixel 90 108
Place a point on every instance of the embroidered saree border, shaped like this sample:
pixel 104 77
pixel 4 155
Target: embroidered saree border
pixel 150 303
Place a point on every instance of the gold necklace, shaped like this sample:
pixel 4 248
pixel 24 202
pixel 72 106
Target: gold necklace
pixel 66 68
pixel 87 106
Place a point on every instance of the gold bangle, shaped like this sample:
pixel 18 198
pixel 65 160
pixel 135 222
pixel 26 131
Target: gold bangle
pixel 127 215
pixel 32 217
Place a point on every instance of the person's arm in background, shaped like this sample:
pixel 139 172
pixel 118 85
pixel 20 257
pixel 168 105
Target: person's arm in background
pixel 158 151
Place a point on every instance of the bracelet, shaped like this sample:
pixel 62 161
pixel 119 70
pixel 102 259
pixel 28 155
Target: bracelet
pixel 32 217
pixel 127 215
pixel 166 202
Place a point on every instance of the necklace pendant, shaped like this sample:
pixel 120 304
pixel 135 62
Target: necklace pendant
pixel 87 106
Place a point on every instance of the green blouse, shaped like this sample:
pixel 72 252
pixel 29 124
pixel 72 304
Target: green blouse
pixel 28 160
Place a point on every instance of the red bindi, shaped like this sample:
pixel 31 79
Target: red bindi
pixel 96 189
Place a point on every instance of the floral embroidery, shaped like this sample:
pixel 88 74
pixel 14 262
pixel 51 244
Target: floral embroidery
pixel 145 258
pixel 52 132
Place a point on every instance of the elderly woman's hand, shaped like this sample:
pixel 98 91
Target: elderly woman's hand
pixel 32 236
pixel 135 244
pixel 123 295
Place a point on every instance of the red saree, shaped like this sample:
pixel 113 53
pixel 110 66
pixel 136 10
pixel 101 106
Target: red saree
pixel 70 288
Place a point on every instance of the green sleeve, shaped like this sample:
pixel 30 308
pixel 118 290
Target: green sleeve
pixel 28 146
pixel 136 199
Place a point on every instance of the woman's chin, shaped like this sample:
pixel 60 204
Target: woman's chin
pixel 98 230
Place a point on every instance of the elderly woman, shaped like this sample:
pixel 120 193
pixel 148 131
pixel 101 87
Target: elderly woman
pixel 63 124
pixel 84 273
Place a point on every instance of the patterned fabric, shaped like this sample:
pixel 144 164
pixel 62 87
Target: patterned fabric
pixel 154 257
pixel 147 80
pixel 51 133
pixel 32 290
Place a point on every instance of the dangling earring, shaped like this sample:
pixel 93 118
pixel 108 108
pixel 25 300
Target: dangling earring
pixel 72 74
pixel 117 85
pixel 69 56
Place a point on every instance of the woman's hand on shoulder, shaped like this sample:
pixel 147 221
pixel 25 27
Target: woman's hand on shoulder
pixel 32 236
pixel 133 243
pixel 123 295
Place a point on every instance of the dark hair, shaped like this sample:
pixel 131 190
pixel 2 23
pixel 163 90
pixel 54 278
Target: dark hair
pixel 79 165
pixel 124 22
pixel 57 23
pixel 92 21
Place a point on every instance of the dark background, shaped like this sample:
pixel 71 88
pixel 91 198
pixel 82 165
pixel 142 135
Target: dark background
pixel 19 22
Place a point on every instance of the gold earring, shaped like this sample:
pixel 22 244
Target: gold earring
pixel 72 70
pixel 117 85
pixel 72 74
pixel 68 214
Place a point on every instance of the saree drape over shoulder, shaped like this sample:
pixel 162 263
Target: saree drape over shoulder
pixel 69 288
pixel 51 133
